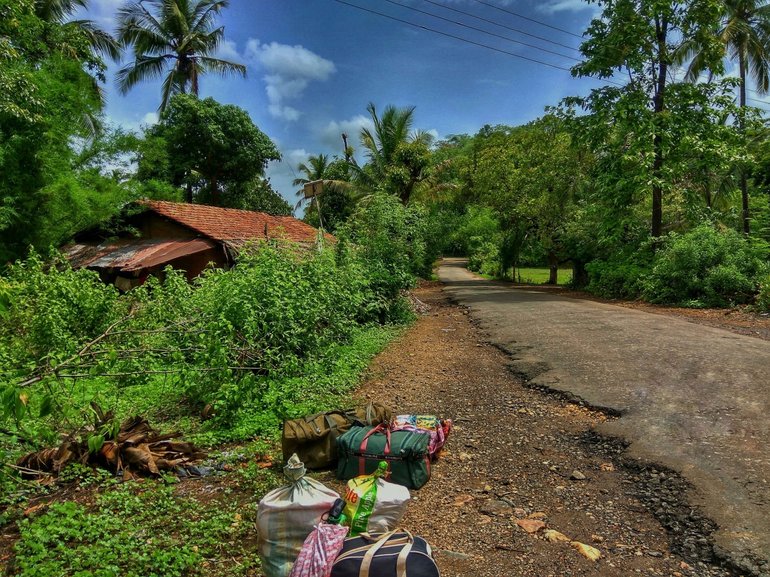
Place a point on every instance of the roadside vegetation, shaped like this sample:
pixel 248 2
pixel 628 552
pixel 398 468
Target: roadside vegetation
pixel 652 187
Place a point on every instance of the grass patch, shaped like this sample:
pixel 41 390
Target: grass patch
pixel 140 529
pixel 540 275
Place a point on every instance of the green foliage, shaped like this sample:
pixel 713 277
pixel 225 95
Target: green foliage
pixel 136 531
pixel 175 37
pixel 49 310
pixel 389 239
pixel 616 278
pixel 705 267
pixel 284 331
pixel 213 149
pixel 256 194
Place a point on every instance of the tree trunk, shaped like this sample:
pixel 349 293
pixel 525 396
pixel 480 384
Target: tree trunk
pixel 215 196
pixel 579 274
pixel 553 268
pixel 744 182
pixel 656 228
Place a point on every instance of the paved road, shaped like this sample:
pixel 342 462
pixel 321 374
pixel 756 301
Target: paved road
pixel 693 398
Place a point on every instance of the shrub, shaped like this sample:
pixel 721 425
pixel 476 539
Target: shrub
pixel 763 297
pixel 705 267
pixel 485 257
pixel 615 278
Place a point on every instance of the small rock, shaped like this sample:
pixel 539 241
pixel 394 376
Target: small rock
pixel 655 553
pixel 590 553
pixel 554 536
pixel 537 516
pixel 461 500
pixel 493 507
pixel 577 476
pixel 530 525
pixel 454 554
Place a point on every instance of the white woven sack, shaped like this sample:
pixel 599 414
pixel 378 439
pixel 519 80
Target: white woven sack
pixel 287 515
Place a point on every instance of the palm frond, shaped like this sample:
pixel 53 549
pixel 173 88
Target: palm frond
pixel 143 68
pixel 223 67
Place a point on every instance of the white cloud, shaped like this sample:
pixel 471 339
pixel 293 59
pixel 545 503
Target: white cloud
pixel 228 50
pixel 554 6
pixel 289 70
pixel 150 118
pixel 330 135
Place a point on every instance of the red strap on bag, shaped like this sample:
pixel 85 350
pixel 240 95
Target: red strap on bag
pixel 381 428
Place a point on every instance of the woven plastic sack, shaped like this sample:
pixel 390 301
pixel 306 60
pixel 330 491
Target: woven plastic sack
pixel 287 515
pixel 319 551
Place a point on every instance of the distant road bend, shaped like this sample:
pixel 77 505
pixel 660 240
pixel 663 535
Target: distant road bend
pixel 694 398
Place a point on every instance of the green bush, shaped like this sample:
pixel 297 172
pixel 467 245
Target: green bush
pixel 762 302
pixel 615 279
pixel 485 257
pixel 705 267
pixel 285 330
pixel 389 241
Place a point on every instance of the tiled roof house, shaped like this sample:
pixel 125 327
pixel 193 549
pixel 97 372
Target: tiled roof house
pixel 185 236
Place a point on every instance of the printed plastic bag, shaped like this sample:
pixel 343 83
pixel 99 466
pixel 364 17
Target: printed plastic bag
pixel 287 515
pixel 438 429
pixel 319 551
pixel 373 504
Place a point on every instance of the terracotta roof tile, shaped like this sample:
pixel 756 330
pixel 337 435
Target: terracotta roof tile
pixel 234 226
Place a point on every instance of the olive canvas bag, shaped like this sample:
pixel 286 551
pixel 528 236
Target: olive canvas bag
pixel 314 438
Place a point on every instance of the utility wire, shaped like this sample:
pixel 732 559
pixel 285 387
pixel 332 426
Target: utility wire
pixel 463 12
pixel 448 35
pixel 530 19
pixel 469 27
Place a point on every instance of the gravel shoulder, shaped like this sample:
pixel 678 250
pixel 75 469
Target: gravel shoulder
pixel 519 457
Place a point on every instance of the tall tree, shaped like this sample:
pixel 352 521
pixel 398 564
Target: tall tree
pixel 336 201
pixel 212 149
pixel 745 35
pixel 641 38
pixel 315 168
pixel 398 157
pixel 175 37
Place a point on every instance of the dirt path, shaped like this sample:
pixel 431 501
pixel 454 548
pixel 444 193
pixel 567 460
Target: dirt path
pixel 512 456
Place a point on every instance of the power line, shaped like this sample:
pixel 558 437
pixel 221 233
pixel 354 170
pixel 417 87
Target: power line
pixel 422 27
pixel 469 27
pixel 502 25
pixel 530 19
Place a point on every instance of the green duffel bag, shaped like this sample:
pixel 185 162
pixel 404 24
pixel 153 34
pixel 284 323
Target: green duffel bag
pixel 314 438
pixel 360 450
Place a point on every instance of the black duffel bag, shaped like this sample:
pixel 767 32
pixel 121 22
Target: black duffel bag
pixel 393 554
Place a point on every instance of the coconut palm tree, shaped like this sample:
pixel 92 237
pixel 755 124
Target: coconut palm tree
pixel 396 153
pixel 172 37
pixel 60 11
pixel 745 34
pixel 314 169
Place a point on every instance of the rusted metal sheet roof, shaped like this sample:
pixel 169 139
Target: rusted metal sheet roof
pixel 131 255
pixel 235 227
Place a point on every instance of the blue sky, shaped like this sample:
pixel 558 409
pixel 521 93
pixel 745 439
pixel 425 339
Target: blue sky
pixel 314 65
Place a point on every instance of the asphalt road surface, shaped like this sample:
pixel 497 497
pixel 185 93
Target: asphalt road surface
pixel 693 398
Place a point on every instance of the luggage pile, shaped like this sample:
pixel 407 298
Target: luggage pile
pixel 307 530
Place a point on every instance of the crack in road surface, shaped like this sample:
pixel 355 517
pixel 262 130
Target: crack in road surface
pixel 692 398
